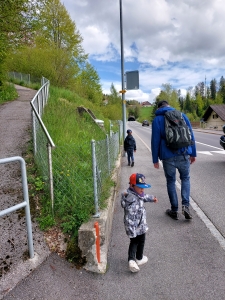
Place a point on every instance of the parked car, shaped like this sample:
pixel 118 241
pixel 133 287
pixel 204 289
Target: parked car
pixel 145 123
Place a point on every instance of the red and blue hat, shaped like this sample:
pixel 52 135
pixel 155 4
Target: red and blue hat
pixel 139 180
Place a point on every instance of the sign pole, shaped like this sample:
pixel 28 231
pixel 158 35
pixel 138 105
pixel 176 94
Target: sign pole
pixel 122 74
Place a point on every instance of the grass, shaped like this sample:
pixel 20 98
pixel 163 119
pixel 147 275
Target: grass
pixel 72 134
pixel 145 114
pixel 7 92
pixel 72 159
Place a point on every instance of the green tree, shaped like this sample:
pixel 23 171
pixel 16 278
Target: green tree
pixel 174 101
pixel 88 84
pixel 200 105
pixel 114 96
pixel 187 104
pixel 200 89
pixel 213 87
pixel 56 29
pixel 59 33
pixel 16 23
pixel 169 94
pixel 222 89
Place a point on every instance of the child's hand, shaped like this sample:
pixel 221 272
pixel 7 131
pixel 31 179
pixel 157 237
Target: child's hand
pixel 155 199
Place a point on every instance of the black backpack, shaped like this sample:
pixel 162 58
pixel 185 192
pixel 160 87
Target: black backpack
pixel 178 134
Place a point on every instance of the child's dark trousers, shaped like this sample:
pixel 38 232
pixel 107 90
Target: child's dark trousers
pixel 136 247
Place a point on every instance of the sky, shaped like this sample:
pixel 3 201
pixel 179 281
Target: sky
pixel 176 42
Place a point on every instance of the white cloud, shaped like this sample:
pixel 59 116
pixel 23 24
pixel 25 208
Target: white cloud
pixel 171 41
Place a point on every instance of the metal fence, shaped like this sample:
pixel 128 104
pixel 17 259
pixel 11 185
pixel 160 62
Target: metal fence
pixel 81 173
pixel 27 78
pixel 72 174
pixel 42 142
pixel 104 155
pixel 25 204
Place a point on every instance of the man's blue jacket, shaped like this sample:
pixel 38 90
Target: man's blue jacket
pixel 158 140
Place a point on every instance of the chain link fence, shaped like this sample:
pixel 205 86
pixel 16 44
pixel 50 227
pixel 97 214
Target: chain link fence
pixel 104 156
pixel 81 174
pixel 27 78
pixel 75 175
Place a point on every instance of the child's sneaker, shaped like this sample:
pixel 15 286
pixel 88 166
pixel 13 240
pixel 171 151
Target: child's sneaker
pixel 142 261
pixel 133 266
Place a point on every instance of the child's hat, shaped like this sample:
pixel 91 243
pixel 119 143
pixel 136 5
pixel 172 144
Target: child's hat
pixel 139 180
pixel 129 130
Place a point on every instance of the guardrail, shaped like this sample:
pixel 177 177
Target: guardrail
pixel 25 203
pixel 41 137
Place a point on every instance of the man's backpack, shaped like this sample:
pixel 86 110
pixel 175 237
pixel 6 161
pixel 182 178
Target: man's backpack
pixel 178 134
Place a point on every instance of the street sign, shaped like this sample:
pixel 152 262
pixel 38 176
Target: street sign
pixel 132 80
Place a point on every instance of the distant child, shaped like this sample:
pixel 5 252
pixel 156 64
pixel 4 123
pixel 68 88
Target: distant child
pixel 135 219
pixel 130 147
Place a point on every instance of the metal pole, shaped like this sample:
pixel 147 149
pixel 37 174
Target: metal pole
pixel 108 153
pixel 122 74
pixel 97 214
pixel 23 204
pixel 51 176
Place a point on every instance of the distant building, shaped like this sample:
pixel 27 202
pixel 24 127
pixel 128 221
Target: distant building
pixel 146 104
pixel 214 117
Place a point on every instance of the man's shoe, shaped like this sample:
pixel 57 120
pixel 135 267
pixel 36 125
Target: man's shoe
pixel 186 212
pixel 128 164
pixel 142 261
pixel 132 164
pixel 133 266
pixel 173 214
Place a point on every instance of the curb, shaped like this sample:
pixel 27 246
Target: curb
pixel 86 233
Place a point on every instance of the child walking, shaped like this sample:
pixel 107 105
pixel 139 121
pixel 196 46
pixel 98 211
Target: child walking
pixel 130 147
pixel 135 219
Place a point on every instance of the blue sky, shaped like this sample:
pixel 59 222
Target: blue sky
pixel 167 41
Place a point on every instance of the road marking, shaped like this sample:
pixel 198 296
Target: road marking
pixel 211 152
pixel 215 232
pixel 220 152
pixel 205 152
pixel 208 145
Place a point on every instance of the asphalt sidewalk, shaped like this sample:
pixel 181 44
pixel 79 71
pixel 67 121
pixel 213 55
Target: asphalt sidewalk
pixel 185 260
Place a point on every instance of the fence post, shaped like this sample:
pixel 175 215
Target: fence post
pixel 34 132
pixel 108 152
pixel 97 241
pixel 51 176
pixel 97 215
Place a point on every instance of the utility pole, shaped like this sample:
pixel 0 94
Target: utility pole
pixel 205 87
pixel 123 91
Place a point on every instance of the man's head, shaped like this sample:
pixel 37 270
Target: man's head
pixel 162 103
pixel 129 131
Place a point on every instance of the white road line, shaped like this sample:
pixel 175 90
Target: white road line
pixel 208 145
pixel 214 231
pixel 205 152
pixel 220 152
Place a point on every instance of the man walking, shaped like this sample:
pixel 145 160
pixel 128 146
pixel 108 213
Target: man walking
pixel 173 160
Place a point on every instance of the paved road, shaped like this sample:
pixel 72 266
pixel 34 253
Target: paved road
pixel 15 133
pixel 185 260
